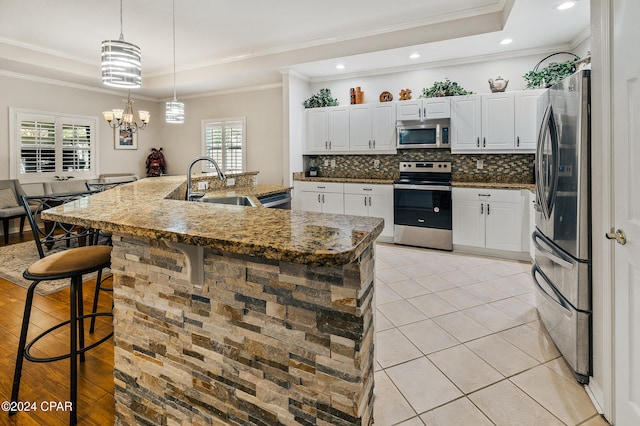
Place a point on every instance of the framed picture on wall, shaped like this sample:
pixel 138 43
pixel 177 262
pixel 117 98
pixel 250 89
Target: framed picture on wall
pixel 125 139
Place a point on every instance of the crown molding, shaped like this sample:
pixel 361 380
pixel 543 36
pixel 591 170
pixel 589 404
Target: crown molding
pixel 61 83
pixel 235 90
pixel 447 63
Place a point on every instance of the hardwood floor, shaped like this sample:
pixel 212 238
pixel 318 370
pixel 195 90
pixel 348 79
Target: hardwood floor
pixel 43 383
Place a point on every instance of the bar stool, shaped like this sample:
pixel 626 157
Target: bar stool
pixel 73 264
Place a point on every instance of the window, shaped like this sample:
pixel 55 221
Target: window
pixel 44 145
pixel 223 140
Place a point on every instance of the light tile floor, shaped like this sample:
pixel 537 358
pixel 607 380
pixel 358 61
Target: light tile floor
pixel 459 342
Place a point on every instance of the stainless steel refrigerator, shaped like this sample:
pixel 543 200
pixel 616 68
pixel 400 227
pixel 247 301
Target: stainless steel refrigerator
pixel 562 239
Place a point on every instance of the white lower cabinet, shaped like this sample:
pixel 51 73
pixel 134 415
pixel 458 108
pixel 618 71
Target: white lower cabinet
pixel 321 197
pixel 490 218
pixel 370 200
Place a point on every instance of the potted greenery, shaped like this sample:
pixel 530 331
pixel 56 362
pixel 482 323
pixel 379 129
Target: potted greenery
pixel 552 73
pixel 444 88
pixel 321 99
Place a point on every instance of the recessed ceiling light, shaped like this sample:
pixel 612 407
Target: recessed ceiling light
pixel 566 5
pixel 340 66
pixel 414 56
pixel 506 41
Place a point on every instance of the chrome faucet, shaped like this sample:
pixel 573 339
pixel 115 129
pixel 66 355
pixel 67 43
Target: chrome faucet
pixel 196 195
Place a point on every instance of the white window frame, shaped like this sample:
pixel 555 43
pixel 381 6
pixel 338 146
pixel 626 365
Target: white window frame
pixel 222 121
pixel 18 115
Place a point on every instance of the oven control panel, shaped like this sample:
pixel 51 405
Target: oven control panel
pixel 425 166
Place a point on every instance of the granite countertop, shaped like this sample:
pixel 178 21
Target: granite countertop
pixel 344 180
pixel 152 208
pixel 495 185
pixel 388 181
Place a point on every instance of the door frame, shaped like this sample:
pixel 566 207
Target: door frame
pixel 602 386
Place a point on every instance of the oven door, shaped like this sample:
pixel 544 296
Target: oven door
pixel 427 206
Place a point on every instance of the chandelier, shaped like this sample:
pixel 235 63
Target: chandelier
pixel 174 109
pixel 125 119
pixel 120 62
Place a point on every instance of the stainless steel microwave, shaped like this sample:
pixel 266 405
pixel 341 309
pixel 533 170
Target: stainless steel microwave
pixel 423 134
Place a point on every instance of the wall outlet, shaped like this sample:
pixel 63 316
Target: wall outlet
pixel 326 163
pixel 203 185
pixel 376 164
pixel 333 163
pixel 231 181
pixel 480 164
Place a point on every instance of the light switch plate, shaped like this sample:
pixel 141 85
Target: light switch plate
pixel 376 164
pixel 333 162
pixel 480 164
pixel 203 185
pixel 231 181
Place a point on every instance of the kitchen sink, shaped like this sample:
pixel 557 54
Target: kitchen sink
pixel 236 201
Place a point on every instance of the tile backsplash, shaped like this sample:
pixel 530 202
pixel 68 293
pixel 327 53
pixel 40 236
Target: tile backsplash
pixel 506 168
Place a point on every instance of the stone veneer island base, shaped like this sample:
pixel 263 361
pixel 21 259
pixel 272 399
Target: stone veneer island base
pixel 235 315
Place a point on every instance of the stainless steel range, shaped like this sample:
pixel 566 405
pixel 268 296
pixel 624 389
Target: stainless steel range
pixel 422 205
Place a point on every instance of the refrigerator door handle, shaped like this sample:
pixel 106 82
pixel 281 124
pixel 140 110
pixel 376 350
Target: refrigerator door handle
pixel 546 252
pixel 547 182
pixel 555 298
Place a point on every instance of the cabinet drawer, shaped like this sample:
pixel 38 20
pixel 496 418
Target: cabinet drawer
pixel 369 189
pixel 499 195
pixel 320 186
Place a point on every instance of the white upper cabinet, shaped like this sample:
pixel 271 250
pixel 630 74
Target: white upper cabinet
pixel 372 128
pixel 327 129
pixel 424 109
pixel 504 122
pixel 526 119
pixel 498 112
pixel 466 123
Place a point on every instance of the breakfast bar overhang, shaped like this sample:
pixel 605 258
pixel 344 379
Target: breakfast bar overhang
pixel 235 315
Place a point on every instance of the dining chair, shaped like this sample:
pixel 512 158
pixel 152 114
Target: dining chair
pixel 63 255
pixel 10 207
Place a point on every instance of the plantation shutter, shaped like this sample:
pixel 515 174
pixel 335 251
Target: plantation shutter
pixel 224 142
pixel 76 147
pixel 45 145
pixel 38 145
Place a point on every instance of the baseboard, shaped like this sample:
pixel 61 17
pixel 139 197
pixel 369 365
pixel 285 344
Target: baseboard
pixel 505 254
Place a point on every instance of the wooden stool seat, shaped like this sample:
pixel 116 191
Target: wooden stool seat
pixel 69 262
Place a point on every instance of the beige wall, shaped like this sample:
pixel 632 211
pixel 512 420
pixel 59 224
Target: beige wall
pixel 262 110
pixel 42 96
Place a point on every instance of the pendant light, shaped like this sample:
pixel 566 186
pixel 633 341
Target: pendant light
pixel 120 62
pixel 174 109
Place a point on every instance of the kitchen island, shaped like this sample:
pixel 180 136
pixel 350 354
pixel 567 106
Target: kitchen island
pixel 227 314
